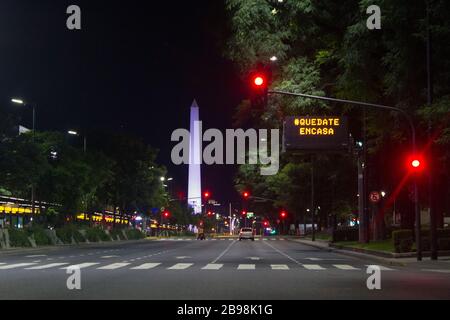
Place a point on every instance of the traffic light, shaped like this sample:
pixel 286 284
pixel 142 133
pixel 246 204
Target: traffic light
pixel 210 213
pixel 246 194
pixel 415 163
pixel 244 212
pixel 265 223
pixel 206 194
pixel 259 81
pixel 283 214
pixel 166 214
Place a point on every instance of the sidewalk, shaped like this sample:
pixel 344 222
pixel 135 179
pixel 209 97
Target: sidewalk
pixel 442 262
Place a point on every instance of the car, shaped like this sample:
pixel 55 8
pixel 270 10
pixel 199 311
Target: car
pixel 246 233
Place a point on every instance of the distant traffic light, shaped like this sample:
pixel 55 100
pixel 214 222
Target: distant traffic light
pixel 166 214
pixel 283 214
pixel 210 213
pixel 206 194
pixel 244 212
pixel 265 223
pixel 415 163
pixel 259 80
pixel 246 194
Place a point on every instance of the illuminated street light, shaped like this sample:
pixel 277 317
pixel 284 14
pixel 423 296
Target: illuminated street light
pixel 71 132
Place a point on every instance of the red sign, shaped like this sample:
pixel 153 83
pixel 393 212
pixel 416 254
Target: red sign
pixel 375 196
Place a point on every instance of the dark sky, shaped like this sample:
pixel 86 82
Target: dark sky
pixel 135 66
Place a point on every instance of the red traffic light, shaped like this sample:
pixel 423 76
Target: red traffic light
pixel 246 194
pixel 415 163
pixel 283 214
pixel 210 213
pixel 266 223
pixel 244 212
pixel 258 80
pixel 206 194
pixel 166 214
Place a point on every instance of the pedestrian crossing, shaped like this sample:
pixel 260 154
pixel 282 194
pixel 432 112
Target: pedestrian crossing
pixel 185 266
pixel 218 239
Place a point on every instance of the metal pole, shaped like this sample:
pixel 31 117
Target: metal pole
pixel 433 222
pixel 231 223
pixel 313 210
pixel 413 138
pixel 33 210
pixel 84 143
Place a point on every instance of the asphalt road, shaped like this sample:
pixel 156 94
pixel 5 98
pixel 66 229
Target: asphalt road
pixel 271 269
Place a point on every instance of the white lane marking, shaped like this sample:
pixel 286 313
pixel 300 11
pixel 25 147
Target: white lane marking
pixel 224 251
pixel 437 270
pixel 107 257
pixel 314 259
pixel 273 239
pixel 2 263
pixel 146 266
pixel 180 266
pixel 382 268
pixel 279 267
pixel 113 266
pixel 254 258
pixel 345 267
pixel 282 253
pixel 256 239
pixel 47 266
pixel 222 239
pixel 16 265
pixel 212 266
pixel 182 257
pixel 82 265
pixel 246 267
pixel 313 267
pixel 36 256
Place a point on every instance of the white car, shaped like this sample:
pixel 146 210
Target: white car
pixel 246 233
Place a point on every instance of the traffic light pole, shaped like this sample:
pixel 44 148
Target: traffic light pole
pixel 413 139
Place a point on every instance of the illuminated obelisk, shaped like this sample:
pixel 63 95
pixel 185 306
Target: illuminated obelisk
pixel 195 153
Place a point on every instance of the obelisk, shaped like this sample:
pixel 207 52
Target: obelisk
pixel 195 156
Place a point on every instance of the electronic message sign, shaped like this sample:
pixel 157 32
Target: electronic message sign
pixel 315 133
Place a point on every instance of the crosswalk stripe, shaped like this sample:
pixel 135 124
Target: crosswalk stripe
pixel 16 265
pixel 230 239
pixel 180 266
pixel 273 239
pixel 256 239
pixel 282 239
pixel 212 266
pixel 313 267
pixel 113 266
pixel 82 265
pixel 345 267
pixel 279 267
pixel 246 267
pixel 265 239
pixel 146 266
pixel 47 266
pixel 2 263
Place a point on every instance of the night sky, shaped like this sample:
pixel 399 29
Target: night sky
pixel 135 66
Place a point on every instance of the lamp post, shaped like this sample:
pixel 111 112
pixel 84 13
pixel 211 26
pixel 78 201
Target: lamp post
pixel 75 133
pixel 33 107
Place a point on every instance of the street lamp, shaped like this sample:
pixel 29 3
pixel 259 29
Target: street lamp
pixel 75 133
pixel 33 106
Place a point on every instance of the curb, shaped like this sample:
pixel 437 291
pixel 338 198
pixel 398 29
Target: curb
pixel 59 246
pixel 352 253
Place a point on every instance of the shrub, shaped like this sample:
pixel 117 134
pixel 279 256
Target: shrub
pixel 117 234
pixel 346 234
pixel 96 234
pixel 66 233
pixel 405 245
pixel 403 240
pixel 40 236
pixel 444 243
pixel 134 234
pixel 18 238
